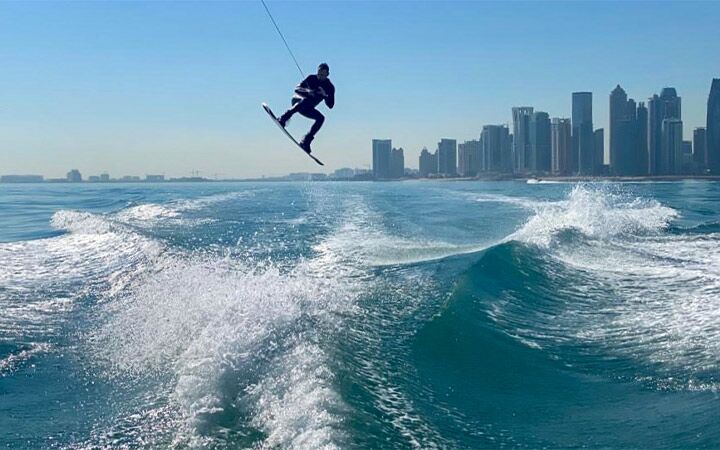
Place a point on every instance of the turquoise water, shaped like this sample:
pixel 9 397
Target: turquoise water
pixel 360 315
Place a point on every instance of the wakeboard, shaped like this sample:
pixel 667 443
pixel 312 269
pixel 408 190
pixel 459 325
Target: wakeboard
pixel 272 116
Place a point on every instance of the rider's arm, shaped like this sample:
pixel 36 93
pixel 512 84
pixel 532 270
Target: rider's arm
pixel 330 99
pixel 303 87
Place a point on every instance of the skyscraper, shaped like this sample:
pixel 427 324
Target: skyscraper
pixel 665 106
pixel 397 163
pixel 521 137
pixel 655 119
pixel 475 148
pixel 641 151
pixel 618 112
pixel 428 163
pixel 687 153
pixel 447 157
pixel 583 141
pixel 628 130
pixel 713 127
pixel 540 143
pixel 469 158
pixel 599 138
pixel 381 158
pixel 561 142
pixel 496 150
pixel 671 156
pixel 463 159
pixel 700 148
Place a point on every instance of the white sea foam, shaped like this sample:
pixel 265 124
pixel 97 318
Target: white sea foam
pixel 596 213
pixel 203 202
pixel 366 244
pixel 665 300
pixel 94 249
pixel 149 211
pixel 541 181
pixel 235 335
pixel 172 213
pixel 242 338
pixel 377 248
pixel 215 327
pixel 651 295
pixel 296 402
pixel 11 362
pixel 43 277
pixel 522 202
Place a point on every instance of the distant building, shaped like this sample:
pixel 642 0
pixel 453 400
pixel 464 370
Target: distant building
pixel 626 140
pixel 522 115
pixel 561 145
pixel 154 178
pixel 94 179
pixel 21 179
pixel 104 177
pixel 428 163
pixel 463 160
pixel 713 128
pixel 363 175
pixel 687 147
pixel 583 139
pixel 687 157
pixel 298 176
pixel 295 176
pixel 344 173
pixel 447 157
pixel 619 112
pixel 469 158
pixel 700 148
pixel 409 172
pixel 381 149
pixel 74 176
pixel 628 135
pixel 671 157
pixel 599 137
pixel 665 106
pixel 397 163
pixel 496 149
pixel 642 151
pixel 136 178
pixel 540 143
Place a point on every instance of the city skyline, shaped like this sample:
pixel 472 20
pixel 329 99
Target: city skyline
pixel 136 87
pixel 642 143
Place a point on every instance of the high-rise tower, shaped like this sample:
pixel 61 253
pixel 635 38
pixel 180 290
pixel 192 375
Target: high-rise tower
pixel 713 127
pixel 522 115
pixel 582 136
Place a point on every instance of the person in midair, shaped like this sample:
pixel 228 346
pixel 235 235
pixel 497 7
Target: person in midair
pixel 308 94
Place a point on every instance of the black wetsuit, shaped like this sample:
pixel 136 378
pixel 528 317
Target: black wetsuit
pixel 306 98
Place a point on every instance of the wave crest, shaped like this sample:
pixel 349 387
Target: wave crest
pixel 597 213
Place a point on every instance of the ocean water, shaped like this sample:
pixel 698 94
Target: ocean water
pixel 360 315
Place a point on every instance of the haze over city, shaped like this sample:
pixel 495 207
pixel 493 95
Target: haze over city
pixel 138 88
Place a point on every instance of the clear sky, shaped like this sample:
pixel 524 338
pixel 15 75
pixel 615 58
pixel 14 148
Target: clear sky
pixel 165 87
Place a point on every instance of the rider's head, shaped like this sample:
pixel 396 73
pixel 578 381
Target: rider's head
pixel 323 71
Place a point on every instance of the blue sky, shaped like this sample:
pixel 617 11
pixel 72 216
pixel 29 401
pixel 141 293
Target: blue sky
pixel 165 87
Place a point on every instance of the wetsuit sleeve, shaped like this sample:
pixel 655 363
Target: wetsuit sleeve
pixel 301 88
pixel 330 99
